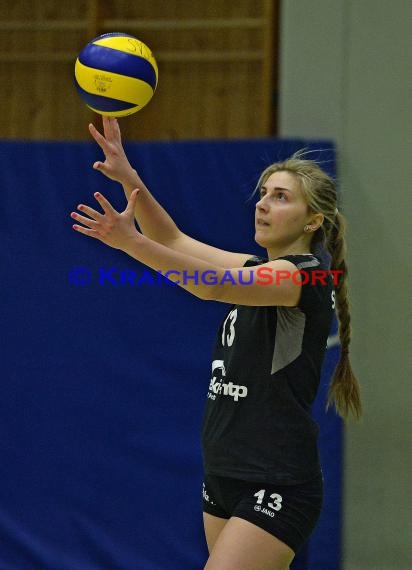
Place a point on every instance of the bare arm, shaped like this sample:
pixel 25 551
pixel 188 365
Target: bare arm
pixel 269 284
pixel 152 218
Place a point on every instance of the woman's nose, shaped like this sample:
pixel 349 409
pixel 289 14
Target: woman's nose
pixel 261 205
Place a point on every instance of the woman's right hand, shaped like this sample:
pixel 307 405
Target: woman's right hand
pixel 116 165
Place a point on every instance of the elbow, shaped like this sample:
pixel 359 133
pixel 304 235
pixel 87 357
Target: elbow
pixel 211 292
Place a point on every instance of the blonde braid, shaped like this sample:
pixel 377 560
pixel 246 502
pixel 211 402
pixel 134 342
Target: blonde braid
pixel 344 390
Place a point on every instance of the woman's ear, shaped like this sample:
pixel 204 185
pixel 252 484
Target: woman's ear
pixel 316 221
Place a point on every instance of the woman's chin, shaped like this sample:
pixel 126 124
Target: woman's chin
pixel 260 239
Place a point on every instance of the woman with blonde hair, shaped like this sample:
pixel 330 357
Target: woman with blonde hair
pixel 263 483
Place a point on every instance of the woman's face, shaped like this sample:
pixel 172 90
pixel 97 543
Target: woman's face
pixel 281 213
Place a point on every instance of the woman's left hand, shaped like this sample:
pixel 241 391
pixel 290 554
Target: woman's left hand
pixel 116 229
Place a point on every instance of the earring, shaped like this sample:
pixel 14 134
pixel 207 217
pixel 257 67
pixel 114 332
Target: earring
pixel 307 228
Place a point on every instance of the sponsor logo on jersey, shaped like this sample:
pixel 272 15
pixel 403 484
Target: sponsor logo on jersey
pixel 218 387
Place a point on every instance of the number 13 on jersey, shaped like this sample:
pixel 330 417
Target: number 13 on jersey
pixel 228 329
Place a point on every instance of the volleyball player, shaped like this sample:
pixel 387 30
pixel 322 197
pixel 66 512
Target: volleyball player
pixel 263 485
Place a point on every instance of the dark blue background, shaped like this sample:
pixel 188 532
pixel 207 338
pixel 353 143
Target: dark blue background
pixel 103 386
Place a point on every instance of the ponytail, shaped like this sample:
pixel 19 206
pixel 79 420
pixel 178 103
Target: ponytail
pixel 344 390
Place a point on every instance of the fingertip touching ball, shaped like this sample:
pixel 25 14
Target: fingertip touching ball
pixel 116 74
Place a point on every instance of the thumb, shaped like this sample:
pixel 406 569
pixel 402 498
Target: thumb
pixel 98 165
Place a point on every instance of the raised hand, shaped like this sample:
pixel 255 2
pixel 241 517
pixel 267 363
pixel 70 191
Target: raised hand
pixel 115 229
pixel 116 165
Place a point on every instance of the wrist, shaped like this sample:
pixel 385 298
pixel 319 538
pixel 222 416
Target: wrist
pixel 132 181
pixel 131 243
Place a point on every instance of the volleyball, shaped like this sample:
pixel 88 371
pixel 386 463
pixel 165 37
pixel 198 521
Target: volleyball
pixel 116 74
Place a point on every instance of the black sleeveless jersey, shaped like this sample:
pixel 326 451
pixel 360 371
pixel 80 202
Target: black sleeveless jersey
pixel 265 375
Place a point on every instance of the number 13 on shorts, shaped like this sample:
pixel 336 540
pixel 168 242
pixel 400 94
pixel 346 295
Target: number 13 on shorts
pixel 276 505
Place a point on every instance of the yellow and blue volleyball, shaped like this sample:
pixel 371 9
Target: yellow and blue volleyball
pixel 116 74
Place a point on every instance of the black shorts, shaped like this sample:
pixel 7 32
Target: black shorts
pixel 288 512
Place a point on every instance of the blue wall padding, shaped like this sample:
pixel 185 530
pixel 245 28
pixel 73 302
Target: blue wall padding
pixel 103 385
